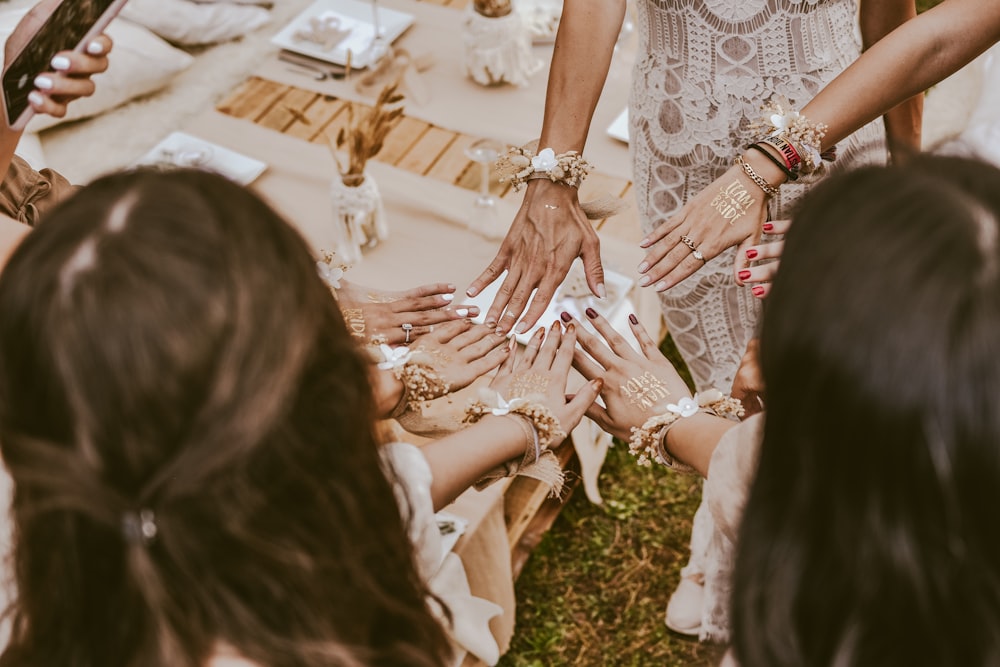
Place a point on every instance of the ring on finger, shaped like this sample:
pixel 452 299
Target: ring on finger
pixel 686 240
pixel 407 328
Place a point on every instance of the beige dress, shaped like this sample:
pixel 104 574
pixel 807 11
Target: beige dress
pixel 704 70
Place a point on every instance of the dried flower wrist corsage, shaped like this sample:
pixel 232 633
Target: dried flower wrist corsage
pixel 797 139
pixel 330 270
pixel 543 431
pixel 648 441
pixel 421 383
pixel 521 164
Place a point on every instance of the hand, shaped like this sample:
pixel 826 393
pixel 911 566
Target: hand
pixel 761 273
pixel 379 316
pixel 668 260
pixel 541 371
pixel 637 384
pixel 548 233
pixel 462 351
pixel 748 385
pixel 65 84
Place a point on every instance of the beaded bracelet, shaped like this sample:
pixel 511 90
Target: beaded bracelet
pixel 538 462
pixel 521 164
pixel 748 169
pixel 647 442
pixel 421 383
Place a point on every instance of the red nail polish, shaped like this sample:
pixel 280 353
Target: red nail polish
pixel 767 227
pixel 565 317
pixel 591 313
pixel 758 290
pixel 743 275
pixel 751 253
pixel 633 319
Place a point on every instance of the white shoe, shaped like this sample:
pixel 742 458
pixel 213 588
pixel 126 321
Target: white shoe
pixel 684 608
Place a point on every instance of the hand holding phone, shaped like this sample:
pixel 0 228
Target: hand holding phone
pixel 52 27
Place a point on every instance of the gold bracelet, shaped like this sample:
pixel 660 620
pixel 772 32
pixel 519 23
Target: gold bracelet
pixel 748 169
pixel 647 442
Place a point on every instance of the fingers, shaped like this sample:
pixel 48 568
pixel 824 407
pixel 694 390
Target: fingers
pixel 490 274
pixel 500 303
pixel 547 352
pixel 595 347
pixel 527 358
pixel 415 303
pixel 564 355
pixel 762 273
pixel 539 302
pixel 431 289
pixel 617 342
pixel 776 226
pixel 585 365
pixel 576 408
pixel 507 367
pixel 592 267
pixel 485 363
pixel 485 341
pixel 520 293
pixel 456 331
pixel 663 230
pixel 648 346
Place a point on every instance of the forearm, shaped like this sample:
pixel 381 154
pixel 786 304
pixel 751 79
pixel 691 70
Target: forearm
pixel 913 57
pixel 902 122
pixel 693 440
pixel 460 459
pixel 581 57
pixel 8 145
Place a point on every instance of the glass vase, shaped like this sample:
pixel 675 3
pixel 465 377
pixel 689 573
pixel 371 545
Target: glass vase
pixel 358 216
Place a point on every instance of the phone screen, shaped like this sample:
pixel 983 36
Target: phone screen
pixel 62 31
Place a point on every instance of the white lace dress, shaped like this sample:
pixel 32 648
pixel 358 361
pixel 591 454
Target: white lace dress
pixel 705 69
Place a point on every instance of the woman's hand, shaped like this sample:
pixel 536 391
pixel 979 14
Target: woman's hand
pixel 460 352
pixel 637 384
pixel 762 274
pixel 377 316
pixel 727 213
pixel 548 233
pixel 748 385
pixel 70 76
pixel 541 370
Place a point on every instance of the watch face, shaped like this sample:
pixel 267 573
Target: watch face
pixel 62 31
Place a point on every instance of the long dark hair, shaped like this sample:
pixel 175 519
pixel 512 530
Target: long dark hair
pixel 190 431
pixel 870 535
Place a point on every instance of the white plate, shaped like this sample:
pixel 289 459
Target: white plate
pixel 184 150
pixel 619 127
pixel 573 296
pixel 355 18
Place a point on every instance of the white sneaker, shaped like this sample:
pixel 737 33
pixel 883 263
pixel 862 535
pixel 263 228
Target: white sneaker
pixel 684 608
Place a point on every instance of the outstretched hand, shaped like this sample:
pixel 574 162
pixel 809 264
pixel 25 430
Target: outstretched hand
pixel 70 76
pixel 541 371
pixel 638 384
pixel 727 213
pixel 460 352
pixel 548 233
pixel 381 317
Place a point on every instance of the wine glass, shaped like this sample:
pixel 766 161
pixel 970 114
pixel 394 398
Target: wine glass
pixel 484 206
pixel 380 47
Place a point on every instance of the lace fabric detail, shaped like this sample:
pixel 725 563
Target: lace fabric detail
pixel 705 69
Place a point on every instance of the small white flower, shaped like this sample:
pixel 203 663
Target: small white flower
pixel 708 397
pixel 393 357
pixel 684 407
pixel 505 407
pixel 545 160
pixel 782 122
pixel 331 275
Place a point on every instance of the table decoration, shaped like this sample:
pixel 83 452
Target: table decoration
pixel 358 212
pixel 498 45
pixel 484 218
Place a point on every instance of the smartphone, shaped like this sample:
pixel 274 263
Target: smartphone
pixel 70 27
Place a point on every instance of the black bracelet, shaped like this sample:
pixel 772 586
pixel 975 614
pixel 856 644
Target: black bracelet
pixel 777 163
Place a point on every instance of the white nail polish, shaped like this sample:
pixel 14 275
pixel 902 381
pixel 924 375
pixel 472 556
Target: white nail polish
pixel 36 98
pixel 60 63
pixel 448 297
pixel 645 280
pixel 95 48
pixel 462 312
pixel 660 286
pixel 521 328
pixel 643 267
pixel 43 83
pixel 602 291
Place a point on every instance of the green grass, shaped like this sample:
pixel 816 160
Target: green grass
pixel 595 590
